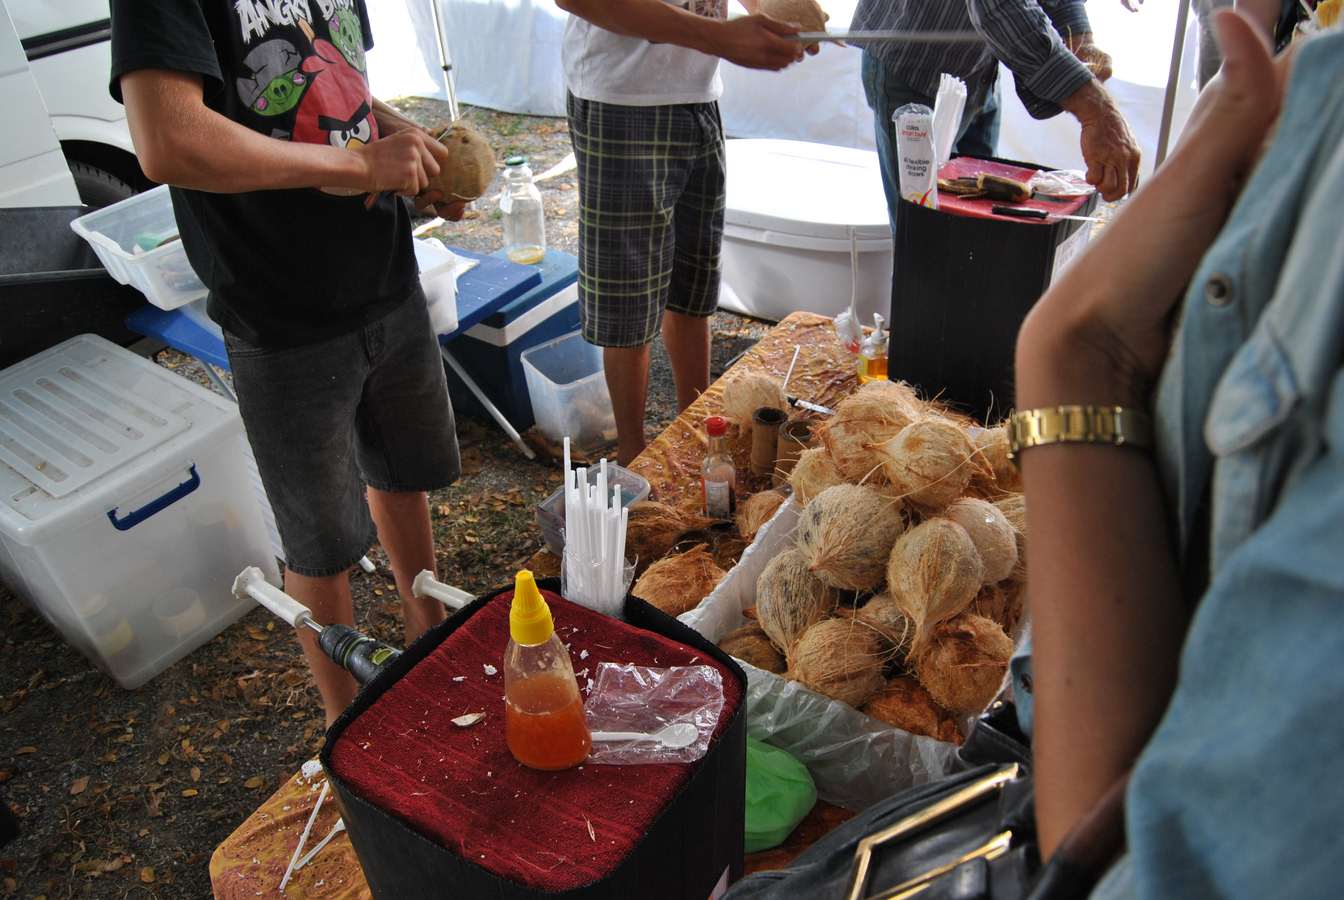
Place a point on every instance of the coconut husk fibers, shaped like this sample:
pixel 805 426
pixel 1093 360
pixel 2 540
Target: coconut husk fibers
pixel 930 462
pixel 750 644
pixel 814 472
pixel 884 615
pixel 654 529
pixel 841 658
pixel 963 664
pixel 756 510
pixel 994 538
pixel 905 704
pixel 471 163
pixel 933 573
pixel 863 421
pixel 678 583
pixel 1014 509
pixel 846 534
pixel 996 473
pixel 749 392
pixel 1000 603
pixel 790 599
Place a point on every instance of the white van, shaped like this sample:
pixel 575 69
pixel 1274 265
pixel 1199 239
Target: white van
pixel 67 45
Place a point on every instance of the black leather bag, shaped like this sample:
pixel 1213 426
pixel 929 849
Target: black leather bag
pixel 968 836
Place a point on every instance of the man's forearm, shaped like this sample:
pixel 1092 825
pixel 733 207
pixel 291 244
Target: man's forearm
pixel 653 20
pixel 181 142
pixel 390 120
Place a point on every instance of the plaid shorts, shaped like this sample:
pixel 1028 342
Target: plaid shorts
pixel 651 200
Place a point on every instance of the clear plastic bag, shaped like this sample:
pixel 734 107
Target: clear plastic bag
pixel 645 699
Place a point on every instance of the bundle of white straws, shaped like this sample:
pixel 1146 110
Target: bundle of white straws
pixel 594 565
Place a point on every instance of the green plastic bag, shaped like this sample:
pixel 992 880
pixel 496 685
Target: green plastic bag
pixel 780 793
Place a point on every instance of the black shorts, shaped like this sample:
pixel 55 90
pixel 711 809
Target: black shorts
pixel 369 407
pixel 651 206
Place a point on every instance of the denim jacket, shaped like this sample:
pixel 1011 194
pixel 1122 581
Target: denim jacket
pixel 1237 793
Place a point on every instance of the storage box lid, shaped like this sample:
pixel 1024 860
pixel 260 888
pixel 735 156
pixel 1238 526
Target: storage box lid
pixel 78 412
pixel 799 188
pixel 558 271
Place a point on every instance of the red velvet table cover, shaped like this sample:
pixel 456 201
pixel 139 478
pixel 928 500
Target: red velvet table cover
pixel 461 787
pixel 982 208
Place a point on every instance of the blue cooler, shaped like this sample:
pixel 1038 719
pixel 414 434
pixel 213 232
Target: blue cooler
pixel 492 351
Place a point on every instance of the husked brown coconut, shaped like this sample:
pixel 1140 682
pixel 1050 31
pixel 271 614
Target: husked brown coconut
pixel 756 511
pixel 994 538
pixel 748 392
pixel 814 472
pixel 846 534
pixel 750 644
pixel 471 163
pixel 841 658
pixel 930 462
pixel 863 421
pixel 885 616
pixel 1014 509
pixel 654 528
pixel 905 704
pixel 991 446
pixel 933 573
pixel 805 13
pixel 964 662
pixel 790 599
pixel 678 583
pixel 1000 603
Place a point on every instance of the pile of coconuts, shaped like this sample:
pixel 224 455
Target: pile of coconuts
pixel 905 579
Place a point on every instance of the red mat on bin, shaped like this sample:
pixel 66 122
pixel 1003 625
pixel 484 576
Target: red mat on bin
pixel 462 787
pixel 983 208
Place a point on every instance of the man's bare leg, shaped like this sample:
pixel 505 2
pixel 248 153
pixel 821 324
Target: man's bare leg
pixel 406 536
pixel 627 371
pixel 329 599
pixel 687 342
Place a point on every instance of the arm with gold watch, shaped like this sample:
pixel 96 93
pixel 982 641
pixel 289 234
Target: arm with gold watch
pixel 1108 618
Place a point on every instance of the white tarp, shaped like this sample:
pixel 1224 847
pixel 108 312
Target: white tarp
pixel 506 55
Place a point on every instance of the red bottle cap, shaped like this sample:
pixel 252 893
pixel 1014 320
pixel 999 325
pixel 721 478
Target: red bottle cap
pixel 716 426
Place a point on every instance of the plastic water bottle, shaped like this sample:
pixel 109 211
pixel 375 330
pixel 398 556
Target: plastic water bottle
pixel 524 219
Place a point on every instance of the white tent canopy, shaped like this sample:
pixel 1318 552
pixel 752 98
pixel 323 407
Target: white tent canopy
pixel 506 56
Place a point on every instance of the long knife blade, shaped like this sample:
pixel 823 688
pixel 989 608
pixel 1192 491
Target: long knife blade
pixel 900 37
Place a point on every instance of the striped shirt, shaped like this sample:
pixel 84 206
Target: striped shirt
pixel 1023 34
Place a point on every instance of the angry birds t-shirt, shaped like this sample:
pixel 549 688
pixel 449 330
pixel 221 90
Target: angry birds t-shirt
pixel 284 267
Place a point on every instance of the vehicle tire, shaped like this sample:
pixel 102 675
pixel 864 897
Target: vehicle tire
pixel 98 188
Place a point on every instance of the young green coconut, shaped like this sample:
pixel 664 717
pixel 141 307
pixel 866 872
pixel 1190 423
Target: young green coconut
pixel 846 534
pixel 933 573
pixel 866 419
pixel 790 599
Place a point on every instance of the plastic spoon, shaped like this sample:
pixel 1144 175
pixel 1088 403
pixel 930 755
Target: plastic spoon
pixel 673 737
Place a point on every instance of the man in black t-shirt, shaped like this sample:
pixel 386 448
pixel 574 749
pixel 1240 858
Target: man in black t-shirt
pixel 284 172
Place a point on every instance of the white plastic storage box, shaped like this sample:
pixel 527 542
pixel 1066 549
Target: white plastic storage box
pixel 568 390
pixel 126 507
pixel 792 209
pixel 439 268
pixel 136 241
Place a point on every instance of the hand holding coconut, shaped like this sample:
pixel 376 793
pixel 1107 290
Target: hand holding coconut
pixel 401 163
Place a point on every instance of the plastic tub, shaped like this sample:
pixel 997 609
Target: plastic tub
pixel 568 390
pixel 786 250
pixel 438 279
pixel 551 511
pixel 136 241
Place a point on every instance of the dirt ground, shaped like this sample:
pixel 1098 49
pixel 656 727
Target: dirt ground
pixel 127 793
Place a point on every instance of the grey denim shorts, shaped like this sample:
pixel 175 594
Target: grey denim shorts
pixel 369 408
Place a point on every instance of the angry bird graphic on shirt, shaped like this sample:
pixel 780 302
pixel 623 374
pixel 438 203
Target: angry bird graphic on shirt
pixel 347 35
pixel 275 85
pixel 337 107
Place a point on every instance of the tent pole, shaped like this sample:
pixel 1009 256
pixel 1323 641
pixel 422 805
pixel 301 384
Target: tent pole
pixel 1173 81
pixel 445 61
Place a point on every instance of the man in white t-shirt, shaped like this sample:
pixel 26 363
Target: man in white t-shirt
pixel 643 80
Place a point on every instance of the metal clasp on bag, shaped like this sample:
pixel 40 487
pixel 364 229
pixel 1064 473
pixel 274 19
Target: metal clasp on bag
pixel 912 825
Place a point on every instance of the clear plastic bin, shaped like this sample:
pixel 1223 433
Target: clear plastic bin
pixel 136 241
pixel 569 391
pixel 551 511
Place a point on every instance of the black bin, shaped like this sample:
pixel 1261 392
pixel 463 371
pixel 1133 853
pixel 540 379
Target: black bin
pixel 53 287
pixel 961 287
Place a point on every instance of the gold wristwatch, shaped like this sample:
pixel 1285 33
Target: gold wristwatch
pixel 1117 426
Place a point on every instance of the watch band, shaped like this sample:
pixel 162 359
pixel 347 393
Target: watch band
pixel 1117 426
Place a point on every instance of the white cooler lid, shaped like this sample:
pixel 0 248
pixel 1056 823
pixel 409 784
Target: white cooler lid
pixel 800 188
pixel 75 414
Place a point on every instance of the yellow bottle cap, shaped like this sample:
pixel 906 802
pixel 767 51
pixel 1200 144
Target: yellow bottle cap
pixel 529 616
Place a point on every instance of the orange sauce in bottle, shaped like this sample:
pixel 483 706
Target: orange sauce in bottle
pixel 544 724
